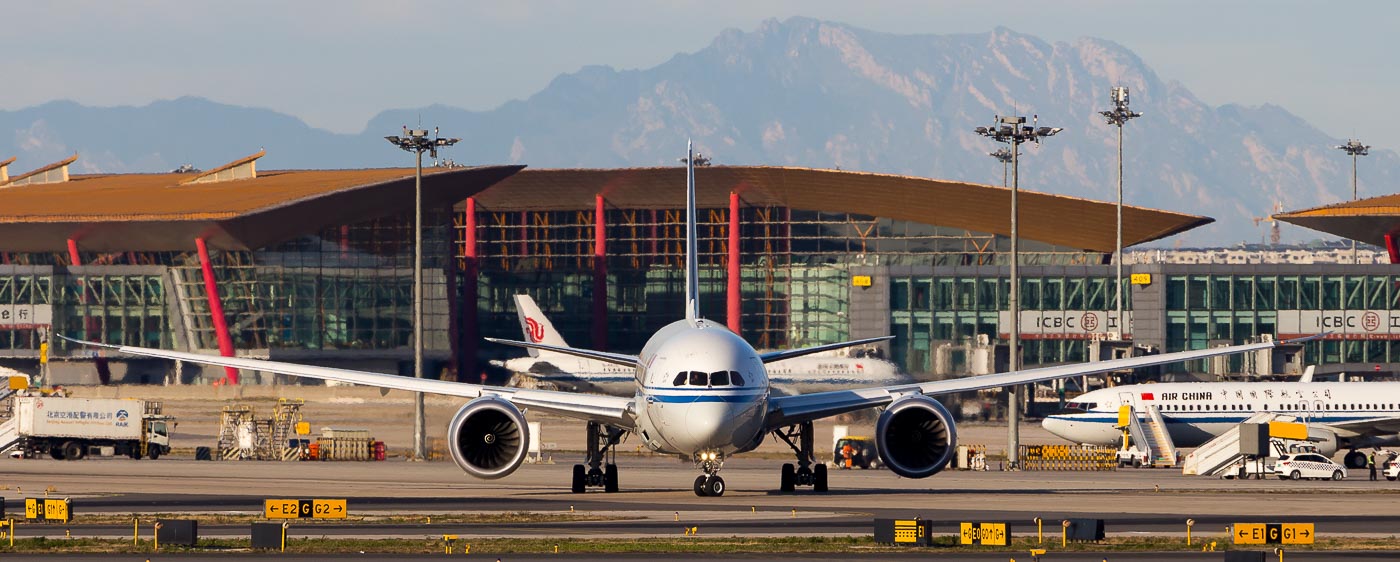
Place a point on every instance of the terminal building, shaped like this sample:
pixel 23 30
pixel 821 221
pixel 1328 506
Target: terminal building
pixel 316 266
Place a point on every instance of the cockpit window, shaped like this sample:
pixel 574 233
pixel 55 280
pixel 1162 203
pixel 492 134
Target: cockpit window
pixel 1081 406
pixel 698 378
pixel 719 378
pixel 680 379
pixel 736 378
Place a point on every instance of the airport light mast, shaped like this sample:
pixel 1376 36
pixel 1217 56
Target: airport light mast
pixel 1004 156
pixel 1014 131
pixel 417 142
pixel 1119 115
pixel 1354 148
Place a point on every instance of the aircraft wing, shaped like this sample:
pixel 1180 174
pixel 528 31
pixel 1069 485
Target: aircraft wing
pixel 788 410
pixel 614 358
pixel 615 411
pixel 772 356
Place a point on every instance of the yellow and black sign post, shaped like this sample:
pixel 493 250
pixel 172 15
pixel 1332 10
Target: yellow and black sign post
pixel 904 532
pixel 1274 533
pixel 305 509
pixel 46 510
pixel 987 534
pixel 7 531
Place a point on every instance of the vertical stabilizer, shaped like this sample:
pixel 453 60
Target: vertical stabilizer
pixel 692 265
pixel 536 326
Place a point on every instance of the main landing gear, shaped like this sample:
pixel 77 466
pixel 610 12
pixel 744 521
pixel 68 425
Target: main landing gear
pixel 709 483
pixel 600 449
pixel 808 472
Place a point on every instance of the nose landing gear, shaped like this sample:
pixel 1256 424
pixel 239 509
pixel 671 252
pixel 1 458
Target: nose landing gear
pixel 709 483
pixel 807 472
pixel 600 448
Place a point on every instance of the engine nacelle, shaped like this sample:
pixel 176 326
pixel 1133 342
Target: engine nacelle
pixel 488 437
pixel 916 437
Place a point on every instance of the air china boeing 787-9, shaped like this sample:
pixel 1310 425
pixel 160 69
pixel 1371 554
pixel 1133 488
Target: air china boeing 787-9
pixel 702 393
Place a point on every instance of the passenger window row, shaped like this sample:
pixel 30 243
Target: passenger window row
pixel 701 378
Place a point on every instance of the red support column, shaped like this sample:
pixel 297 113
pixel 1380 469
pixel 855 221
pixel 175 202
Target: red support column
pixel 470 333
pixel 216 310
pixel 1392 245
pixel 73 256
pixel 733 310
pixel 344 241
pixel 600 275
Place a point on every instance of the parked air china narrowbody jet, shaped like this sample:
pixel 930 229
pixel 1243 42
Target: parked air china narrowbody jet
pixel 1344 415
pixel 702 393
pixel 818 372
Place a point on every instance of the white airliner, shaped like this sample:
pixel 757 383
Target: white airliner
pixel 819 372
pixel 1356 414
pixel 702 393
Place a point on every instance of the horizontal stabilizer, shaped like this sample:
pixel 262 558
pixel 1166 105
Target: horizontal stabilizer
pixel 790 353
pixel 614 358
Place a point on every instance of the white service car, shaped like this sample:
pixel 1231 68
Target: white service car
pixel 1308 465
pixel 1392 469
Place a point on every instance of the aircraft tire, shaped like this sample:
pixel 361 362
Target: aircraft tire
pixel 789 478
pixel 819 478
pixel 701 487
pixel 580 473
pixel 610 478
pixel 1354 459
pixel 714 486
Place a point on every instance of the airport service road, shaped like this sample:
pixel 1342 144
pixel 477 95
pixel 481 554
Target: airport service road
pixel 1292 556
pixel 657 489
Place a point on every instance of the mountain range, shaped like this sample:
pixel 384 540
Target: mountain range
pixel 800 92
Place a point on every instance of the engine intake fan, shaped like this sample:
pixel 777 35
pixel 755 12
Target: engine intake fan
pixel 488 438
pixel 916 437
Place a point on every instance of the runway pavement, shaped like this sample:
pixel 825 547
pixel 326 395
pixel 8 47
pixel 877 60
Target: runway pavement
pixel 656 491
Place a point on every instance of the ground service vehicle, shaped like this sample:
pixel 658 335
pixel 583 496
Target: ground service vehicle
pixel 863 453
pixel 73 428
pixel 1308 465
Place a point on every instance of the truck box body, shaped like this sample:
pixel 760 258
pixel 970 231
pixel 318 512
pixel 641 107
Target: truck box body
pixel 82 418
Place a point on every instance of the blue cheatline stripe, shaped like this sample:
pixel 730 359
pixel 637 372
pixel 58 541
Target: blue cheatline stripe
pixel 1113 419
pixel 585 378
pixel 694 398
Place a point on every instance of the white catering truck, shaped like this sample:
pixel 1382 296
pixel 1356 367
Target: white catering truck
pixel 73 428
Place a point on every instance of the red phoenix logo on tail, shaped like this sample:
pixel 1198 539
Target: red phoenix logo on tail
pixel 534 330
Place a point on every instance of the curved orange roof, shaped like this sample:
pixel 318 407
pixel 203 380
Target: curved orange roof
pixel 157 212
pixel 1055 219
pixel 1363 220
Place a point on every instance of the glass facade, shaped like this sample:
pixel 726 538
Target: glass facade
pixel 349 289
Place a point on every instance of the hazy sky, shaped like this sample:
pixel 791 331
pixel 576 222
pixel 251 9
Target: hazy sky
pixel 335 64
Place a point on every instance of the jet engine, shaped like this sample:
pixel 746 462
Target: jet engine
pixel 488 438
pixel 916 436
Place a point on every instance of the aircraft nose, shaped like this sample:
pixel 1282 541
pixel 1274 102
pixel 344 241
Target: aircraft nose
pixel 1057 425
pixel 704 423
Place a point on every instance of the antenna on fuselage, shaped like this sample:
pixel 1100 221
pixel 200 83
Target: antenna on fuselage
pixel 692 265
